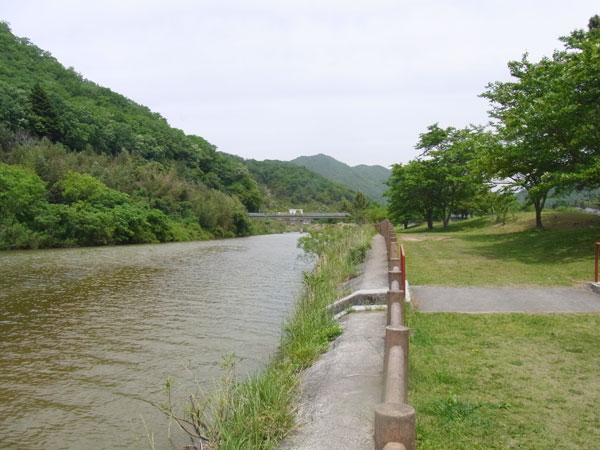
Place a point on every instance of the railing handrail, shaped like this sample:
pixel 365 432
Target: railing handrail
pixel 394 419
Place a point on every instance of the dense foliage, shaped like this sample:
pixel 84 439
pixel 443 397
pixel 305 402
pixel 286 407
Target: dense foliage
pixel 443 180
pixel 137 178
pixel 56 126
pixel 545 139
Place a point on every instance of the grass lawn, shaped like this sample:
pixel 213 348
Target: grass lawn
pixel 480 252
pixel 491 381
pixel 505 380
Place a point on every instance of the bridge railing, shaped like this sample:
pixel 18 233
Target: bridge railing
pixel 394 419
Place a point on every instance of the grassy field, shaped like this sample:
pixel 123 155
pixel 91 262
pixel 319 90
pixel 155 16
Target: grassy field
pixel 480 252
pixel 505 381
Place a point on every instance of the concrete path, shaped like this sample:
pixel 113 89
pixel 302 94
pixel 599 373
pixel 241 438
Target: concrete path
pixel 375 268
pixel 504 299
pixel 340 391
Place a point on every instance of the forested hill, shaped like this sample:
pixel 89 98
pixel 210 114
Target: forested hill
pixel 83 165
pixel 287 185
pixel 367 179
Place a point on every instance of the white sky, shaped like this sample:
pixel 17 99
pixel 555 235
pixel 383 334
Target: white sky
pixel 358 80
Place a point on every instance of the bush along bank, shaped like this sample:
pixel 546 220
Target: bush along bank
pixel 259 412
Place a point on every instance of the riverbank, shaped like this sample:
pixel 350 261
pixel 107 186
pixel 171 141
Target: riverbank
pixel 259 412
pixel 340 391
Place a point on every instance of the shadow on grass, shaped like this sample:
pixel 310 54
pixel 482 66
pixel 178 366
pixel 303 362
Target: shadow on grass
pixel 536 247
pixel 453 227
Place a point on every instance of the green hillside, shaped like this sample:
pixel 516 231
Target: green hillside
pixel 287 185
pixel 367 179
pixel 83 165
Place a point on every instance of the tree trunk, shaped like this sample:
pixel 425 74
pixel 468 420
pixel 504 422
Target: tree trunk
pixel 446 220
pixel 539 203
pixel 429 218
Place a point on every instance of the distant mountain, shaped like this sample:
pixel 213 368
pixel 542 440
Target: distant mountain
pixel 367 179
pixel 286 185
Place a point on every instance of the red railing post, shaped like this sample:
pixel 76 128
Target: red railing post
pixel 403 268
pixel 597 249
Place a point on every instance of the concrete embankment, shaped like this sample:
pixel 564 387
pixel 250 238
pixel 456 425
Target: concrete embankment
pixel 340 391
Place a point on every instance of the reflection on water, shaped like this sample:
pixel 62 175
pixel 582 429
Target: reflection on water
pixel 87 334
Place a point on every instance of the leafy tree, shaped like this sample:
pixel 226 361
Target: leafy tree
pixel 402 207
pixel 359 207
pixel 549 120
pixel 443 180
pixel 451 153
pixel 22 193
pixel 413 192
pixel 498 203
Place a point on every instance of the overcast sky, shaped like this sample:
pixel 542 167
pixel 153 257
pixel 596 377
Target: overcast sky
pixel 276 79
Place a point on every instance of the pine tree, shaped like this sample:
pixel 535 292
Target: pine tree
pixel 43 119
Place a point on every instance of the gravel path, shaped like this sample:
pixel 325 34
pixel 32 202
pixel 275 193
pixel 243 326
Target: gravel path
pixel 504 299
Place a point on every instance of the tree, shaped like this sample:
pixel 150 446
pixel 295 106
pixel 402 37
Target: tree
pixel 414 190
pixel 403 207
pixel 549 120
pixel 452 152
pixel 359 206
pixel 43 119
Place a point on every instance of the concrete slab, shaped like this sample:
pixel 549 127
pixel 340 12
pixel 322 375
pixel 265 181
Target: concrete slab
pixel 504 299
pixel 340 391
pixel 375 274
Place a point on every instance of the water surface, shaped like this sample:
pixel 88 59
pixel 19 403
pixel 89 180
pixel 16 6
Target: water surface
pixel 87 334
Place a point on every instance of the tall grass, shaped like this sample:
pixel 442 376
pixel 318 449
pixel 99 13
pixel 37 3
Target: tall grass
pixel 259 412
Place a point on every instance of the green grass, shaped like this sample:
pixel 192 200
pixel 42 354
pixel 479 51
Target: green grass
pixel 480 252
pixel 505 380
pixel 259 412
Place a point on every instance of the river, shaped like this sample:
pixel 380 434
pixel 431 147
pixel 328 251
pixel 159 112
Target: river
pixel 88 334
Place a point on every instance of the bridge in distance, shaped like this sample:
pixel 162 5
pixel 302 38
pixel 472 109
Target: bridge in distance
pixel 303 217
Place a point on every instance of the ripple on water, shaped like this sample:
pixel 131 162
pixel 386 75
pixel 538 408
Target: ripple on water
pixel 88 333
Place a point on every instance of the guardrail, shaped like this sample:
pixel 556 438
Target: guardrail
pixel 394 419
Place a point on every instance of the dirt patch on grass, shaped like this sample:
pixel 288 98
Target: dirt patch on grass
pixel 425 238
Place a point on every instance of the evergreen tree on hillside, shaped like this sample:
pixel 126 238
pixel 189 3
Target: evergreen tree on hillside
pixel 43 118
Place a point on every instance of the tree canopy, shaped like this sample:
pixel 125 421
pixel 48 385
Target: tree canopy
pixel 548 120
pixel 443 180
pixel 545 139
